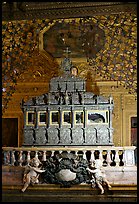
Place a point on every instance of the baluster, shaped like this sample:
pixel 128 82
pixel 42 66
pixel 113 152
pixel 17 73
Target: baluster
pixel 6 157
pixel 28 157
pixel 92 157
pixel 20 160
pixel 124 157
pixel 108 159
pixel 36 154
pixel 117 160
pixel 52 153
pixel 13 158
pixel 101 155
pixel 44 156
pixel 68 152
pixel 120 157
pixel 60 152
pixel 84 154
pixel 9 157
pixel 24 158
pixel 59 155
pixel 76 154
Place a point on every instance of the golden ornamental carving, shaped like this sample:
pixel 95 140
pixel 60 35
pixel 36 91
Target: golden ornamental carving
pixel 117 121
pixel 129 103
pixel 33 88
pixel 42 67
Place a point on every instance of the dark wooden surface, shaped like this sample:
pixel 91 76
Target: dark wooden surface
pixel 74 194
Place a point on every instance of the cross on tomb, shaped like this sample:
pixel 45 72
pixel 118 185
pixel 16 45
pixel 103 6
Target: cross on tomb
pixel 67 51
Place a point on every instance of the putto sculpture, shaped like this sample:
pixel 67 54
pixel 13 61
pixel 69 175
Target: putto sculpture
pixel 98 175
pixel 32 173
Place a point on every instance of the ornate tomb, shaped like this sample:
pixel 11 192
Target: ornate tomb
pixel 68 115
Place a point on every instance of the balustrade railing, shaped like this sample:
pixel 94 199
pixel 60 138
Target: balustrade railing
pixel 110 156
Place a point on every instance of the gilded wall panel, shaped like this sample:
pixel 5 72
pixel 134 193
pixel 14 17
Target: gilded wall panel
pixel 130 110
pixel 117 120
pixel 127 114
pixel 25 93
pixel 130 103
pixel 33 88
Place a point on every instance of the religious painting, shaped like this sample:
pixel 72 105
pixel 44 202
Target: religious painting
pixel 82 38
pixel 97 117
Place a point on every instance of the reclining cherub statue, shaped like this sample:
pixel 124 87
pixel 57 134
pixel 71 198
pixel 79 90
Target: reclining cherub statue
pixel 97 174
pixel 32 173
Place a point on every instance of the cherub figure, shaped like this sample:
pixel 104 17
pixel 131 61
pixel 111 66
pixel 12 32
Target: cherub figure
pixel 31 173
pixel 95 168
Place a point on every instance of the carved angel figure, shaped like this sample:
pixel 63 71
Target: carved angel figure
pixel 97 173
pixel 32 173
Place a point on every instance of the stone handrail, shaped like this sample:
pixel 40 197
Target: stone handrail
pixel 110 155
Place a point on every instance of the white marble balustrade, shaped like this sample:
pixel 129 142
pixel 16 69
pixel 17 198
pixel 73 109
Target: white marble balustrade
pixel 110 156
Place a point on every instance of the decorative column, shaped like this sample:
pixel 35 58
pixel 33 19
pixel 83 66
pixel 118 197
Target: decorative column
pixel 49 118
pixel 108 159
pixel 52 153
pixel 84 154
pixel 72 124
pixel 85 123
pixel 20 158
pixel 76 153
pixel 28 157
pixel 92 157
pixel 72 118
pixel 101 155
pixel 44 156
pixel 117 160
pixel 36 154
pixel 36 118
pixel 60 117
pixel 110 108
pixel 13 157
pixel 6 157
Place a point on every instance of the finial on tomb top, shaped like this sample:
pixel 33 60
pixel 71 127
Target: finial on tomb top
pixel 66 64
pixel 67 51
